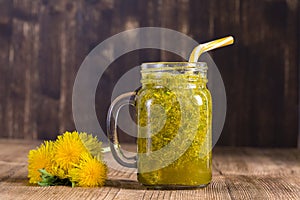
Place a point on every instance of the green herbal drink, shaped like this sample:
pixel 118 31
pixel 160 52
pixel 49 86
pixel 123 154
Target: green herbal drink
pixel 174 114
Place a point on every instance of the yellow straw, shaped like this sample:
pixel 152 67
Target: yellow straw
pixel 198 50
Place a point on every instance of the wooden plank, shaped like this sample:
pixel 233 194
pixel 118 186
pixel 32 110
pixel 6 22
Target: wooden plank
pixel 226 21
pixel 153 9
pixel 261 90
pixel 5 38
pixel 22 76
pixel 238 173
pixel 56 19
pixel 298 33
pixel 279 162
pixel 200 20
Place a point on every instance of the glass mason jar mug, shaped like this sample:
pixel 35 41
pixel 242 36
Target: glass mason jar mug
pixel 174 117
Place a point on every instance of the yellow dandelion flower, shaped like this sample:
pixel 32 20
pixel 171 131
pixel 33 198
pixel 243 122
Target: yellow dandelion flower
pixel 58 171
pixel 92 145
pixel 67 150
pixel 89 173
pixel 40 158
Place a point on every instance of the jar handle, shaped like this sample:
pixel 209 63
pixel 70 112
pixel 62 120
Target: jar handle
pixel 111 123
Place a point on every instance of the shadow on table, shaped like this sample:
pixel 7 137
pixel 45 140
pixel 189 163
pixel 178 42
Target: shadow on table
pixel 131 184
pixel 21 180
pixel 125 184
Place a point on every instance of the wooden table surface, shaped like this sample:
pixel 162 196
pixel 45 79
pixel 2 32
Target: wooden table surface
pixel 238 173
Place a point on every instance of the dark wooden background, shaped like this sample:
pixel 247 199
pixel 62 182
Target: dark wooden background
pixel 42 44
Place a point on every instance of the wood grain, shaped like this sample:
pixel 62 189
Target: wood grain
pixel 43 44
pixel 238 173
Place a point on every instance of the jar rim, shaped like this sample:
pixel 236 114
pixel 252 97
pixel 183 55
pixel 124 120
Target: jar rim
pixel 157 66
pixel 172 64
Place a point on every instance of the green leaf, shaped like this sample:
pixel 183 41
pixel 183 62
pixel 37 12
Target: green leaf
pixel 51 180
